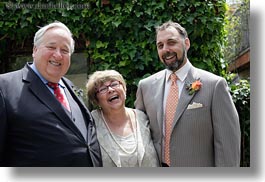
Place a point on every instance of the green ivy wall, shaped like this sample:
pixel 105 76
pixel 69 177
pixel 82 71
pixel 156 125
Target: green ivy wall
pixel 118 34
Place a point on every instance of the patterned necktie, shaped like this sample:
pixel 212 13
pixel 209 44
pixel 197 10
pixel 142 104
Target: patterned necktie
pixel 171 105
pixel 59 96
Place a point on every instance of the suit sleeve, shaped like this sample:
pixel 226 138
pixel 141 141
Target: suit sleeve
pixel 3 128
pixel 139 102
pixel 226 127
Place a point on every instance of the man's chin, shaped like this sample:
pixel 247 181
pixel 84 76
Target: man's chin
pixel 171 63
pixel 173 67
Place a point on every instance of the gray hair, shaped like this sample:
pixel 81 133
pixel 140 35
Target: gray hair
pixel 182 31
pixel 39 34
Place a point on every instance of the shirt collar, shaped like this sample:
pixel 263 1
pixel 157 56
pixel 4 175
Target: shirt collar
pixel 33 67
pixel 181 73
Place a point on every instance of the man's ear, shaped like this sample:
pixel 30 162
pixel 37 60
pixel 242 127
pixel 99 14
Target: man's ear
pixel 34 50
pixel 187 43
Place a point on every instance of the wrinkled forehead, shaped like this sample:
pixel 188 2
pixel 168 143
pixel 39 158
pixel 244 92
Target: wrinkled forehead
pixel 169 33
pixel 58 33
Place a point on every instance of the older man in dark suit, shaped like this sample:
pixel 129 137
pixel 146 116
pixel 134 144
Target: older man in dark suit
pixel 42 121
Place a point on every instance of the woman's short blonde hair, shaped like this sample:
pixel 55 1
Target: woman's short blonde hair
pixel 97 79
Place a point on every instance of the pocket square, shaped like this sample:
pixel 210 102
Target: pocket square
pixel 194 105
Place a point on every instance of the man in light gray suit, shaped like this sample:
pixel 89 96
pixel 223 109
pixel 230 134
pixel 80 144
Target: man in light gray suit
pixel 205 130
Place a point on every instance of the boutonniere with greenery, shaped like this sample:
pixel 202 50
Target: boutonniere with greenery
pixel 78 92
pixel 194 86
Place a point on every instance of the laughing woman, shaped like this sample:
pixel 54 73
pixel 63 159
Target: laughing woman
pixel 123 132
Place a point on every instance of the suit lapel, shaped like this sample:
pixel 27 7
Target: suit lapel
pixel 185 98
pixel 83 108
pixel 45 96
pixel 106 141
pixel 158 93
pixel 140 135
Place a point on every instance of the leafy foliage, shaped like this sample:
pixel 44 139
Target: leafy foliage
pixel 236 26
pixel 123 36
pixel 120 35
pixel 240 92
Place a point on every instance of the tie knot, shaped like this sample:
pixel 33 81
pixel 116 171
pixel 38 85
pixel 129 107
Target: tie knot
pixel 173 77
pixel 53 85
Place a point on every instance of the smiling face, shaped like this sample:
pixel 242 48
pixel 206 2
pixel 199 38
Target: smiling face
pixel 172 48
pixel 52 55
pixel 113 98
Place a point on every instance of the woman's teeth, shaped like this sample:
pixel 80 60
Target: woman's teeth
pixel 113 98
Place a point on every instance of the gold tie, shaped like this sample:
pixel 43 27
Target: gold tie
pixel 171 105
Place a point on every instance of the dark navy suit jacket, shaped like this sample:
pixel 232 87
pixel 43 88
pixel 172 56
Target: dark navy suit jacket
pixel 35 130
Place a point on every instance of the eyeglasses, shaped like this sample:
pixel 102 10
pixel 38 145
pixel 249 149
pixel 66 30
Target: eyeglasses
pixel 105 88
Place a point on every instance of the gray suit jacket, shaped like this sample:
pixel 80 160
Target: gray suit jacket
pixel 203 136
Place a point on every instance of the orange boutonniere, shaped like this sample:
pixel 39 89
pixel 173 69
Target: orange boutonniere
pixel 194 87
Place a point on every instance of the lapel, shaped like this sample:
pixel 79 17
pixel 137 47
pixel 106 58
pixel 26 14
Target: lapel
pixel 88 117
pixel 40 91
pixel 185 98
pixel 106 140
pixel 140 147
pixel 158 92
pixel 140 142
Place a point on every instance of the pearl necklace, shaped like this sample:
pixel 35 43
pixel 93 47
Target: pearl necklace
pixel 114 138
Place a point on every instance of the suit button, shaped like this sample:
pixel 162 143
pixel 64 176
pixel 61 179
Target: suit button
pixel 74 119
